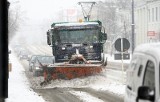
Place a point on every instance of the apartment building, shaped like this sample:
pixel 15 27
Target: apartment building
pixel 147 21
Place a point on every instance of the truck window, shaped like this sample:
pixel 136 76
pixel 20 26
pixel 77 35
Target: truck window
pixel 79 36
pixel 149 75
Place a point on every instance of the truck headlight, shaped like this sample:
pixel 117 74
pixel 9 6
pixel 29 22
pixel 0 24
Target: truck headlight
pixel 63 48
pixel 90 47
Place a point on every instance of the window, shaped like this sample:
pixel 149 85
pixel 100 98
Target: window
pixel 149 75
pixel 159 13
pixel 156 13
pixel 152 14
pixel 149 15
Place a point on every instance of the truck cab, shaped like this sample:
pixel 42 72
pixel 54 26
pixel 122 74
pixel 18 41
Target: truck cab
pixel 66 38
pixel 143 74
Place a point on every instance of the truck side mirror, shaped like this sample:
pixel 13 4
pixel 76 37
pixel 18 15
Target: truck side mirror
pixel 104 36
pixel 48 39
pixel 145 93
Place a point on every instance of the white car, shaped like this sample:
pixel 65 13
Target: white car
pixel 143 74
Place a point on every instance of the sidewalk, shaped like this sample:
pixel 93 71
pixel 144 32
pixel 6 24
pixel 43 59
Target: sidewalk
pixel 18 85
pixel 117 64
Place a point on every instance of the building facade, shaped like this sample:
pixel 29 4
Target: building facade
pixel 147 21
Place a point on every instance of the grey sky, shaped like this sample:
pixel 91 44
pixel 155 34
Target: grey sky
pixel 40 14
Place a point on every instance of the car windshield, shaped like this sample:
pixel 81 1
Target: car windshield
pixel 78 36
pixel 33 58
pixel 45 59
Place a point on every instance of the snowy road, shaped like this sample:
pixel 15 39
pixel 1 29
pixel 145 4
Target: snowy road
pixel 71 90
pixel 104 87
pixel 76 94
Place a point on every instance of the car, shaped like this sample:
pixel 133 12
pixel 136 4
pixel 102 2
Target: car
pixel 23 54
pixel 37 61
pixel 143 74
pixel 32 60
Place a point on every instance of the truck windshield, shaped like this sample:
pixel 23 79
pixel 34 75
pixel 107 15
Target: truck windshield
pixel 78 36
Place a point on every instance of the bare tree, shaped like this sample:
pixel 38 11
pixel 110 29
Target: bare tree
pixel 124 4
pixel 15 18
pixel 125 16
pixel 107 14
pixel 115 16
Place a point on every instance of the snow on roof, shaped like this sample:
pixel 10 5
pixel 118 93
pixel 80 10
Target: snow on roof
pixel 149 48
pixel 76 23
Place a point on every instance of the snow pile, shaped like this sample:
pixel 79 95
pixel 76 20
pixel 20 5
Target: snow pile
pixel 111 59
pixel 101 82
pixel 98 82
pixel 74 83
pixel 18 85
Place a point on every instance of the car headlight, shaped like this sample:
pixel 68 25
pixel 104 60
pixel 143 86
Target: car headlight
pixel 37 68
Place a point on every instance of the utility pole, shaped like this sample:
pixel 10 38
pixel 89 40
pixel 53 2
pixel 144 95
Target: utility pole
pixel 133 26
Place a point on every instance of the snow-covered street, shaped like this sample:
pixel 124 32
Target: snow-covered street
pixel 20 87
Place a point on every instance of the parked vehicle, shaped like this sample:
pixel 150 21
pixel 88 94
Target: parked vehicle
pixel 32 61
pixel 37 61
pixel 23 54
pixel 16 47
pixel 143 74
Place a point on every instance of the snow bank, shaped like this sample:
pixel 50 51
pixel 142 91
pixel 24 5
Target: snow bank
pixel 18 85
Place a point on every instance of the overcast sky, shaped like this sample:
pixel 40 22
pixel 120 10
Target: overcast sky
pixel 43 8
pixel 40 14
pixel 40 9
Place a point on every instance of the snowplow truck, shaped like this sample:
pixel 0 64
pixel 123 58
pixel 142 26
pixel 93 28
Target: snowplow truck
pixel 65 38
pixel 77 48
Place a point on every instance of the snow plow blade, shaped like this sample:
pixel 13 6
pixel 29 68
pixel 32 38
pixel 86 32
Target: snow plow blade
pixel 70 71
pixel 77 67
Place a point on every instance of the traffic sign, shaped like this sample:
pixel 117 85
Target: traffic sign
pixel 119 42
pixel 118 56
